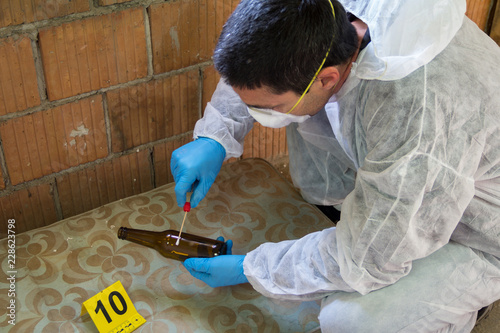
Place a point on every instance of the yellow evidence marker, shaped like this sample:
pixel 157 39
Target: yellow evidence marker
pixel 112 310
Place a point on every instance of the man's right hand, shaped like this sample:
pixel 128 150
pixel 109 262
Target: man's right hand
pixel 196 163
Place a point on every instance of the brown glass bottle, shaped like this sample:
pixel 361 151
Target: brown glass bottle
pixel 165 243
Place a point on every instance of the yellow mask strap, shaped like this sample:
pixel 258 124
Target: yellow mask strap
pixel 319 69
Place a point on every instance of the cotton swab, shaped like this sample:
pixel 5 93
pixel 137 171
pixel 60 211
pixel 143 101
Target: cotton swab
pixel 187 208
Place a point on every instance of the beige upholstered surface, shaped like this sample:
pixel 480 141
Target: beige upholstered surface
pixel 60 266
pixel 490 324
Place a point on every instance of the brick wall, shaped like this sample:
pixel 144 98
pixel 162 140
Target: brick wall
pixel 478 11
pixel 96 94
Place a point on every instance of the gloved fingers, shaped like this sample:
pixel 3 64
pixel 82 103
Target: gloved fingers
pixel 199 268
pixel 202 277
pixel 195 185
pixel 182 187
pixel 200 191
pixel 218 271
pixel 173 167
pixel 176 163
pixel 229 245
pixel 199 265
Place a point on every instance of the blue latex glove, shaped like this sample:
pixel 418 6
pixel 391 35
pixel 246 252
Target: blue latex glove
pixel 194 167
pixel 226 270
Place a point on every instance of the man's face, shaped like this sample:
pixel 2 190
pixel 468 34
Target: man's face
pixel 262 98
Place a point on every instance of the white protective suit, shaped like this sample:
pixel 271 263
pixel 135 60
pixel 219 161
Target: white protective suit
pixel 410 147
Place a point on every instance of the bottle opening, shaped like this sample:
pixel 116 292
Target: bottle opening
pixel 122 233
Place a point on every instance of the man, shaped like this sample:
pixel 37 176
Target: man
pixel 393 117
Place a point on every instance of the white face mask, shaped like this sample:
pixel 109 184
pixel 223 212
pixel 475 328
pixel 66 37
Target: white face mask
pixel 275 119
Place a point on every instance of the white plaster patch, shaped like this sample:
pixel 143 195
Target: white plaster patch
pixel 80 131
pixel 175 38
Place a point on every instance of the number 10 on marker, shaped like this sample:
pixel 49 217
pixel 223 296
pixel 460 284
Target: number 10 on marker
pixel 112 309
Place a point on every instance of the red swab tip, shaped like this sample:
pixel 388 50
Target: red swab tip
pixel 187 207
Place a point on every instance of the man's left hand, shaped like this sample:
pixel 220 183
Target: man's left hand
pixel 225 270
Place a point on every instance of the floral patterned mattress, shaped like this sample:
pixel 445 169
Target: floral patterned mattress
pixel 59 267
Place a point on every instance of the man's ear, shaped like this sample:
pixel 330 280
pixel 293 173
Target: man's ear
pixel 329 76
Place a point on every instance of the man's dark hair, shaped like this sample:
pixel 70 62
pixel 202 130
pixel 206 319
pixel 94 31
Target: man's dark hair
pixel 281 43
